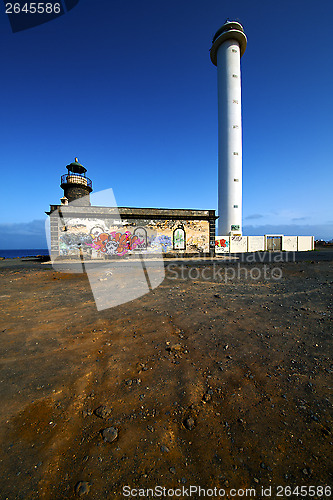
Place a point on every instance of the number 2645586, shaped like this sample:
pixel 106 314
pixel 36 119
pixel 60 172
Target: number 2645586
pixel 33 8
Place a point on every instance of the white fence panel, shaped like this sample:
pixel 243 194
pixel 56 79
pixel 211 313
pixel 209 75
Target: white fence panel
pixel 255 243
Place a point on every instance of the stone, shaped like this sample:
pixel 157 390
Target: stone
pixel 103 411
pixel 206 397
pixel 82 488
pixel 110 434
pixel 189 423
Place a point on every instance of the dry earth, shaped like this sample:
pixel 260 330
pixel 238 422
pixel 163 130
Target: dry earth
pixel 204 382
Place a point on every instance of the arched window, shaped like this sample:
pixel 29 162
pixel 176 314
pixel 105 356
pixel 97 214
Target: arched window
pixel 179 238
pixel 141 233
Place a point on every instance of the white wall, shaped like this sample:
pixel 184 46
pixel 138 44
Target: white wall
pixel 235 244
pixel 305 243
pixel 289 243
pixel 238 244
pixel 255 243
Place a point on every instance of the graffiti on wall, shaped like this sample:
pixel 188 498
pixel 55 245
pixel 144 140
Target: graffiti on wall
pixel 141 233
pixel 222 243
pixel 70 242
pixel 101 240
pixel 114 243
pixel 160 240
pixel 197 243
pixel 100 237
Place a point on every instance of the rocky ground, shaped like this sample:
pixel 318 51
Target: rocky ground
pixel 211 380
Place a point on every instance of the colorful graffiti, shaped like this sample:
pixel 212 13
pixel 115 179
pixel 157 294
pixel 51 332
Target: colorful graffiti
pixel 222 243
pixel 161 240
pixel 141 233
pixel 114 243
pixel 99 238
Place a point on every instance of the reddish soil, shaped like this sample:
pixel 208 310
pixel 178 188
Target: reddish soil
pixel 208 383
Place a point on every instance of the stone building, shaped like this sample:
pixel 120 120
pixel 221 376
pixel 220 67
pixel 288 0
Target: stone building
pixel 98 232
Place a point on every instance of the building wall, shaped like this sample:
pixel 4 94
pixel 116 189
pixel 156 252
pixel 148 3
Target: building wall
pixel 100 232
pixel 98 235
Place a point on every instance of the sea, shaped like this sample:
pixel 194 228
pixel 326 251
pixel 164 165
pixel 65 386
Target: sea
pixel 12 254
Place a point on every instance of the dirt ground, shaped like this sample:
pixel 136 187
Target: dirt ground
pixel 209 380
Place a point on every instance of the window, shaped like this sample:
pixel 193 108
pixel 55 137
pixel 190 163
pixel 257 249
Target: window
pixel 235 101
pixel 235 206
pixel 235 76
pixel 236 180
pixel 235 153
pixel 234 50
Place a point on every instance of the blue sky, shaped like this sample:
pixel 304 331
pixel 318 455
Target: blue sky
pixel 129 88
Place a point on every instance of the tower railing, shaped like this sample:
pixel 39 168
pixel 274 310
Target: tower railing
pixel 76 179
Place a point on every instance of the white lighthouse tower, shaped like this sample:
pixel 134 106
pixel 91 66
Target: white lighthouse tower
pixel 229 44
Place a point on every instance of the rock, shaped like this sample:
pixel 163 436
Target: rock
pixel 164 448
pixel 189 423
pixel 133 381
pixel 103 411
pixel 176 347
pixel 142 367
pixel 206 397
pixel 110 434
pixel 172 470
pixel 82 488
pixel 307 471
